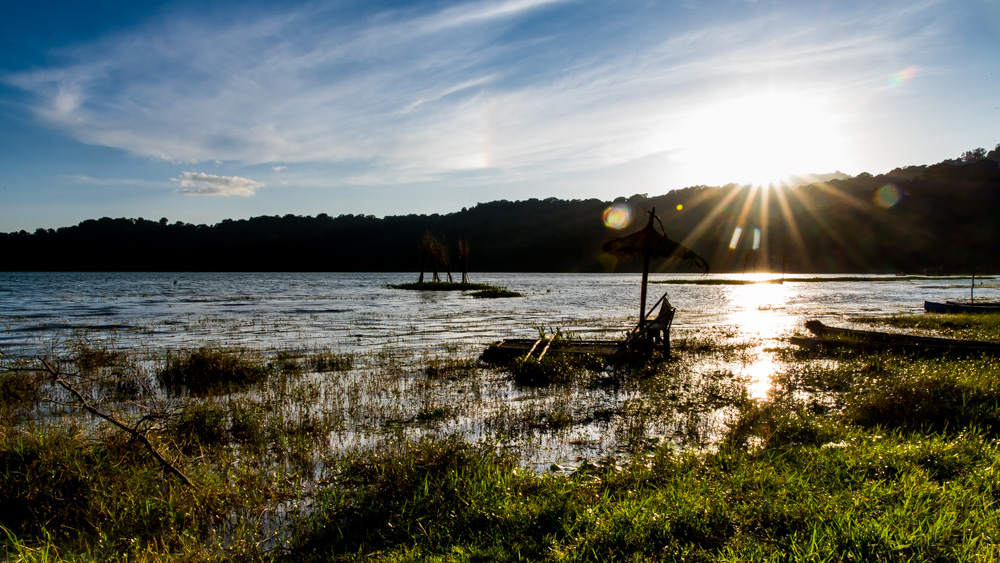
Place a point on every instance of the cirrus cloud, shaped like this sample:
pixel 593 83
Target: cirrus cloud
pixel 199 183
pixel 507 89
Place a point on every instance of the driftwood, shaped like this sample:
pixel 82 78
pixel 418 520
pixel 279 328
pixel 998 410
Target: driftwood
pixel 134 432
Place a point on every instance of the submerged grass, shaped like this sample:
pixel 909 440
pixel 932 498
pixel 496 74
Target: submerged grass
pixel 870 457
pixel 210 370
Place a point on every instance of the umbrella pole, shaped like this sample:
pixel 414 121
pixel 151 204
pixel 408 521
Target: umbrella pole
pixel 642 295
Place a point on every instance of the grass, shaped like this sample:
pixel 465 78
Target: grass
pixel 388 457
pixel 494 292
pixel 480 290
pixel 965 327
pixel 210 370
pixel 864 498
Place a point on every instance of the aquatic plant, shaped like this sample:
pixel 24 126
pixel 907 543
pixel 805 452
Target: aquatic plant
pixel 210 370
pixel 494 292
pixel 449 368
pixel 330 361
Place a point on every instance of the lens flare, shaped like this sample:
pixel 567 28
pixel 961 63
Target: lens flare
pixel 618 216
pixel 737 232
pixel 887 196
pixel 680 206
pixel 903 76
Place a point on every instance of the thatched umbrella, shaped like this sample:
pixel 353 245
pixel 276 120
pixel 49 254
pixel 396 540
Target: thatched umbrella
pixel 649 243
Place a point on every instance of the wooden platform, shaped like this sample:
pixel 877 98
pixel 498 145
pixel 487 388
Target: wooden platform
pixel 510 348
pixel 651 336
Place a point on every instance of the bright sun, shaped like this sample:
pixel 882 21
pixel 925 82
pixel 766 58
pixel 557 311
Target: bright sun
pixel 764 138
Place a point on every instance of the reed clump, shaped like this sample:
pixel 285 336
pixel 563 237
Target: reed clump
pixel 325 361
pixel 552 369
pixel 210 370
pixel 19 390
pixel 449 368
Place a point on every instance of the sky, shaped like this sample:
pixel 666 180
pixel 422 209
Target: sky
pixel 199 111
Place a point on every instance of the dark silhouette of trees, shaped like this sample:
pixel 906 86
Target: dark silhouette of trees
pixel 973 155
pixel 935 219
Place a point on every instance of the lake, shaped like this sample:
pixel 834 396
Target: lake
pixel 397 334
pixel 358 312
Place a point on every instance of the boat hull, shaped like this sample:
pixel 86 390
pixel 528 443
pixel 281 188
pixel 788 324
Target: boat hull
pixel 950 307
pixel 842 338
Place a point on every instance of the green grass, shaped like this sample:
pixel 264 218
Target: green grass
pixel 865 498
pixel 966 327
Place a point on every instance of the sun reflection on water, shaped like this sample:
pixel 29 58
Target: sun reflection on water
pixel 758 312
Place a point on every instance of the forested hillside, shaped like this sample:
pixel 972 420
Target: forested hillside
pixel 934 219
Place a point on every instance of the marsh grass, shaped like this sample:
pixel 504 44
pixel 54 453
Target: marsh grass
pixel 210 370
pixel 495 292
pixel 325 361
pixel 19 390
pixel 396 457
pixel 967 327
pixel 449 368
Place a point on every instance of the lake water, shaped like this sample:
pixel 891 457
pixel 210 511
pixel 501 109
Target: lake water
pixel 358 312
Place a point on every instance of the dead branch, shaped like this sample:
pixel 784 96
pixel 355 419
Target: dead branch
pixel 134 432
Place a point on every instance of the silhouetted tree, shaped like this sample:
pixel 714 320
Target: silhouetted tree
pixel 433 252
pixel 973 155
pixel 463 255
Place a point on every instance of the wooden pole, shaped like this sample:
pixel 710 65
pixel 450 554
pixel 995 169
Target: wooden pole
pixel 642 295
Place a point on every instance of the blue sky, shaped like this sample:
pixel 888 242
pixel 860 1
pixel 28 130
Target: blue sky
pixel 201 111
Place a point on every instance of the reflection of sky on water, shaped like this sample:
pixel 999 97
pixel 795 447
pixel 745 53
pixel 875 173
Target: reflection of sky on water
pixel 357 312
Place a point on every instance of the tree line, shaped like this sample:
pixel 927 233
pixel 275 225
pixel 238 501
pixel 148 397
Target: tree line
pixel 916 219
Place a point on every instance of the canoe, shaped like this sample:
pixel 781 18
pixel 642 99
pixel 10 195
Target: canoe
pixel 844 338
pixel 954 307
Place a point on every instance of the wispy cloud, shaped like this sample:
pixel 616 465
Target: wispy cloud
pixel 199 183
pixel 415 95
pixel 125 182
